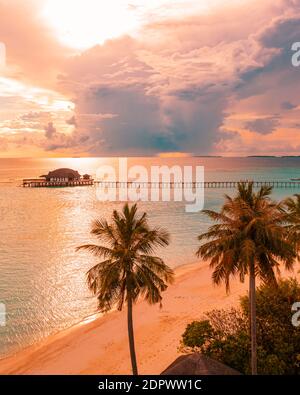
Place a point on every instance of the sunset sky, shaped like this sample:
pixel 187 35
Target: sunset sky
pixel 137 77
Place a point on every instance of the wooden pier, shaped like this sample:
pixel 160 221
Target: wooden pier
pixel 205 184
pixel 41 183
pixel 38 183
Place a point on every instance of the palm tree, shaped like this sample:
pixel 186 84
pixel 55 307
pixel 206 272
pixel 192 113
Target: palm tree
pixel 249 238
pixel 128 270
pixel 292 210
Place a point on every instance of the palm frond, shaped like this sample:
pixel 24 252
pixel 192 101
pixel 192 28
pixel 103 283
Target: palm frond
pixel 251 228
pixel 129 268
pixel 96 250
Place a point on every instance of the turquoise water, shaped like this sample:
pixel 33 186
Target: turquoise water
pixel 42 278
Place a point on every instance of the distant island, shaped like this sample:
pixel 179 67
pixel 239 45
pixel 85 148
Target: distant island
pixel 262 156
pixel 207 156
pixel 273 156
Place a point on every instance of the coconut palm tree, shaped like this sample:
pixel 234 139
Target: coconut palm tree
pixel 292 209
pixel 128 269
pixel 248 238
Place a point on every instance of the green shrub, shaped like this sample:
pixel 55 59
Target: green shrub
pixel 197 333
pixel 224 334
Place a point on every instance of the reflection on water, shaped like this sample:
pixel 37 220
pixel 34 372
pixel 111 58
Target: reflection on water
pixel 42 277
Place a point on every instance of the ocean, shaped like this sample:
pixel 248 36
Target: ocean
pixel 42 277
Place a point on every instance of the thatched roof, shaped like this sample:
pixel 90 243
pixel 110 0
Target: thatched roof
pixel 63 173
pixel 198 364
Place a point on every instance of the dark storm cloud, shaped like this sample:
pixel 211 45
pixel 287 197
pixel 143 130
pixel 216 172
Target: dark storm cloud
pixel 262 126
pixel 286 105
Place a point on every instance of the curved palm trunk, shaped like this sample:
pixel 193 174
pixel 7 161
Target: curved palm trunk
pixel 131 336
pixel 253 320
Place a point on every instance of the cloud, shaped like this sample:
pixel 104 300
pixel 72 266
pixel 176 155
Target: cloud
pixel 286 105
pixel 50 130
pixel 55 140
pixel 262 125
pixel 36 116
pixel 161 104
pixel 72 121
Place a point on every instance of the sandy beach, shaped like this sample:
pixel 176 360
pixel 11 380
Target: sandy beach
pixel 100 346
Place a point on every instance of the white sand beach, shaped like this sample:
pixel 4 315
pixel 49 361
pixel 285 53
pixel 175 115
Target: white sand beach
pixel 101 346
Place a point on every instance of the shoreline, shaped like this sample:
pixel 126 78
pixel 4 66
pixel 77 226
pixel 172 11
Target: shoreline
pixel 98 344
pixel 179 270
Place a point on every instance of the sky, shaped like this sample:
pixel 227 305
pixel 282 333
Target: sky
pixel 144 78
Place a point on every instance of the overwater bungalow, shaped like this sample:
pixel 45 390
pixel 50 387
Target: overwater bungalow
pixel 59 178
